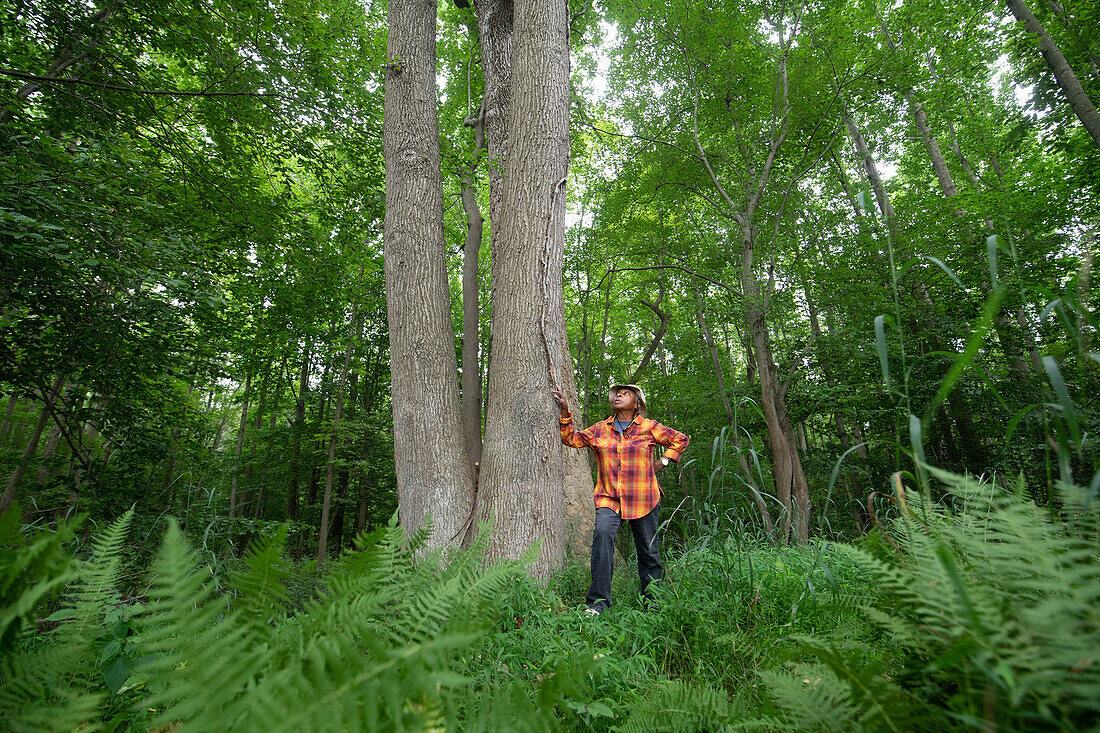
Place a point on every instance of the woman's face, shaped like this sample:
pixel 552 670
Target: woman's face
pixel 625 399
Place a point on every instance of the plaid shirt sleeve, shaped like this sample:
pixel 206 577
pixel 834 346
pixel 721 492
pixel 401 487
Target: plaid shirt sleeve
pixel 674 442
pixel 573 438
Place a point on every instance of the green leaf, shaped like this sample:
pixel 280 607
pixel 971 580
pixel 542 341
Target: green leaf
pixel 61 614
pixel 992 243
pixel 115 673
pixel 977 337
pixel 1060 390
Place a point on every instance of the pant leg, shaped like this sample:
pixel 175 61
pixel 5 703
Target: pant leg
pixel 648 546
pixel 603 558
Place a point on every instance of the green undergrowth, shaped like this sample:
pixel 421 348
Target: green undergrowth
pixel 986 616
pixel 722 614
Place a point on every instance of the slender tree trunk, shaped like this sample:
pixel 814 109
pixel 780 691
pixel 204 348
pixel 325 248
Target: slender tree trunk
pixel 433 473
pixel 299 426
pixel 322 532
pixel 364 503
pixel 655 343
pixel 471 307
pixel 8 499
pixel 245 495
pixel 314 484
pixel 240 445
pixel 790 481
pixel 838 417
pixel 48 452
pixel 522 470
pixel 69 56
pixel 1078 99
pixel 878 188
pixel 731 419
pixel 257 510
pixel 13 400
pixel 939 165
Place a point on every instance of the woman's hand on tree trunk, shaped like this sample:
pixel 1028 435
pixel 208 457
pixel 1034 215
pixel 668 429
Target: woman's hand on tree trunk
pixel 562 404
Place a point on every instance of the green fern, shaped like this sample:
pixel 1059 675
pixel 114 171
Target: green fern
pixel 679 707
pixel 31 569
pixel 375 650
pixel 55 681
pixel 992 610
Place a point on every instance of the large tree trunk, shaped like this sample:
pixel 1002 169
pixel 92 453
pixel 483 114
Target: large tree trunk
pixel 522 471
pixel 1078 99
pixel 495 28
pixel 433 475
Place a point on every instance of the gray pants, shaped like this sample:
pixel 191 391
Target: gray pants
pixel 603 554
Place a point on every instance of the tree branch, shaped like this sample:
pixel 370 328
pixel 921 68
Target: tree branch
pixel 130 90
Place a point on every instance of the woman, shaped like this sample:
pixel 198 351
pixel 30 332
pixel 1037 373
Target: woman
pixel 627 488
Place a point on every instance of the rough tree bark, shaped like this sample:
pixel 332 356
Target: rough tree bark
pixel 495 27
pixel 433 476
pixel 522 472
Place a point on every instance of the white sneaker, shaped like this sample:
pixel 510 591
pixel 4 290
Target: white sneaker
pixel 591 612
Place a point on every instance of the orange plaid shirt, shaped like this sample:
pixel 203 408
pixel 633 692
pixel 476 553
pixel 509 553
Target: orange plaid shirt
pixel 626 481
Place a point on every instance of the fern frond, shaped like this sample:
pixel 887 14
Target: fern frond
pixel 46 685
pixel 261 593
pixel 679 707
pixel 31 569
pixel 199 659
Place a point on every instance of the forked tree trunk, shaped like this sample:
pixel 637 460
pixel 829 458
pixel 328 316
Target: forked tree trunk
pixel 433 473
pixel 790 481
pixel 495 27
pixel 731 420
pixel 522 471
